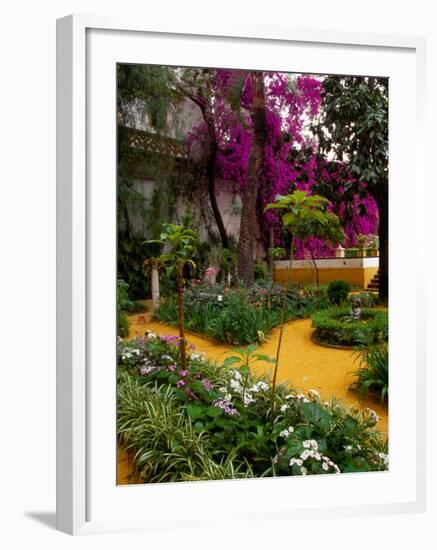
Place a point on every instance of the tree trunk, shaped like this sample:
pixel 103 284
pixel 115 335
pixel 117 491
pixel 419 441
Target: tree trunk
pixel 315 267
pixel 246 241
pixel 381 197
pixel 210 172
pixel 270 259
pixel 210 175
pixel 155 287
pixel 180 285
pixel 281 329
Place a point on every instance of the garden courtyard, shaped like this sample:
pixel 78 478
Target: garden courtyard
pixel 252 274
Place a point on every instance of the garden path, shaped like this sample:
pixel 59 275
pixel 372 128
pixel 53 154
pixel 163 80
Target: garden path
pixel 304 364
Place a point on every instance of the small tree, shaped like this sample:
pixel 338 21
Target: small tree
pixel 180 242
pixel 301 212
pixel 326 227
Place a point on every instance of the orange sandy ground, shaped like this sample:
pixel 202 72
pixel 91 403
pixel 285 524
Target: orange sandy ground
pixel 304 364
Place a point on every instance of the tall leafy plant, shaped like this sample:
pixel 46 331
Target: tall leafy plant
pixel 301 212
pixel 180 244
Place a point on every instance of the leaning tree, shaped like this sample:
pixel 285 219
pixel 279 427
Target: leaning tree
pixel 353 128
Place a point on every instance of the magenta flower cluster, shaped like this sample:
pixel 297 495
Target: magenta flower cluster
pixel 290 160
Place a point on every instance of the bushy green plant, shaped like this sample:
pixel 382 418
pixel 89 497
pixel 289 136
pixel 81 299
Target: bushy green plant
pixel 372 374
pixel 241 316
pixel 336 326
pixel 215 421
pixel 123 304
pixel 260 272
pixel 338 291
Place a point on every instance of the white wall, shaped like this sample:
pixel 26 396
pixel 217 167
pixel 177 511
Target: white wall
pixel 27 228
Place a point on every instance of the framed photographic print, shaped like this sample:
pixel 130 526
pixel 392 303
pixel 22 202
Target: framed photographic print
pixel 239 330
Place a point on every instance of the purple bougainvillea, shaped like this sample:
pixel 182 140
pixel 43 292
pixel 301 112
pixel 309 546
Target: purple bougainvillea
pixel 290 157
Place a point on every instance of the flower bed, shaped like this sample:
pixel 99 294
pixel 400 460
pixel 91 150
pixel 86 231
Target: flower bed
pixel 336 327
pixel 241 316
pixel 214 421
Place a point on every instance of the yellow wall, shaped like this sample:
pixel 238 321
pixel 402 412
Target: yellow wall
pixel 357 276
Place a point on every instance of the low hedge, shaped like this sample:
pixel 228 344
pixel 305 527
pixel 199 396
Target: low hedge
pixel 335 326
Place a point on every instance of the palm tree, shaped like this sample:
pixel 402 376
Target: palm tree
pixel 249 196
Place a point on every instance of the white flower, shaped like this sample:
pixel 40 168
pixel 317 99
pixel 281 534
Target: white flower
pixel 284 408
pixel 290 396
pixel 284 433
pixel 310 444
pixel 296 461
pixel 384 458
pixel 325 466
pixel 314 394
pixel 248 399
pixel 305 454
pixel 303 470
pixel 235 385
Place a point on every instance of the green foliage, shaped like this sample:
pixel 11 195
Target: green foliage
pixel 213 421
pixel 181 242
pixel 123 305
pixel 243 316
pixel 260 271
pixel 354 125
pixel 147 88
pixel 336 326
pixel 276 252
pixel 136 306
pixel 303 212
pixel 372 374
pixel 338 291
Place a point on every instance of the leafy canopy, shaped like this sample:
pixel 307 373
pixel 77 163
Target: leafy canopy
pixel 305 216
pixel 181 243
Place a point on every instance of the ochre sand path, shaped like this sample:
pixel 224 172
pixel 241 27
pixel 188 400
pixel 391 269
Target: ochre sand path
pixel 302 363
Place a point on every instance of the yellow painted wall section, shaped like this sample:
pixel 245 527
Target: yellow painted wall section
pixel 357 276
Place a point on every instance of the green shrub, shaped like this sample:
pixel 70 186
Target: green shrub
pixel 260 272
pixel 137 306
pixel 214 421
pixel 336 326
pixel 123 305
pixel 338 292
pixel 372 374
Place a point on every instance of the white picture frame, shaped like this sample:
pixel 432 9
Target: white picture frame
pixel 75 394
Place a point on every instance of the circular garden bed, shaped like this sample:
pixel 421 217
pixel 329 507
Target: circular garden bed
pixel 335 327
